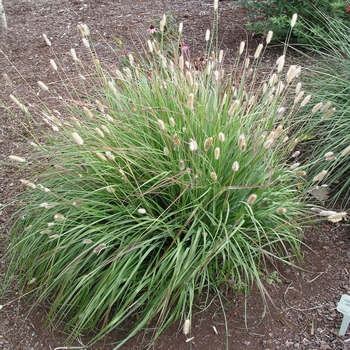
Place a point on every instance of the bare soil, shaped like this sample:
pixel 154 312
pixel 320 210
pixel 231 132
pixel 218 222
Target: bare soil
pixel 301 304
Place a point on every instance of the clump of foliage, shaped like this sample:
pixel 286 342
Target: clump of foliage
pixel 328 78
pixel 275 15
pixel 163 182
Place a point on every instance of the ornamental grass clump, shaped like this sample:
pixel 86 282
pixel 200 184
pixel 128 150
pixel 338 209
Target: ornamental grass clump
pixel 328 138
pixel 161 183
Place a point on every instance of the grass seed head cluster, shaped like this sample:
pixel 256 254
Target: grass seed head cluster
pixel 163 181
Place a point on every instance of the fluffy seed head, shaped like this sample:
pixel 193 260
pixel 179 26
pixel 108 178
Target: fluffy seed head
pixel 150 46
pixel 181 25
pixel 326 106
pixel 241 47
pixel 207 143
pixel 268 144
pixel 78 140
pixel 58 217
pixel 193 145
pixel 110 189
pixel 264 88
pixel 258 51
pixel 297 88
pixel 42 86
pixel 32 281
pixel 161 25
pixel 345 151
pixel 27 183
pixel 328 114
pixel 294 166
pixel 290 74
pixel 48 206
pixel 233 107
pixel 53 64
pixel 294 20
pixel 45 232
pixel 273 79
pixel 74 55
pixel 269 37
pixel 128 73
pixel 221 137
pixel 280 63
pixel 252 198
pixel 305 100
pixel 299 96
pixel 110 156
pixel 83 29
pixel 14 99
pixel 87 241
pixel 317 107
pixel 241 141
pixel 216 3
pixel 189 77
pixel 141 211
pixel 181 62
pixel 221 55
pixel 281 211
pixel 300 173
pixel 99 248
pixel 99 132
pixel 195 87
pixel 279 131
pixel 235 166
pixel 337 216
pixel 207 35
pixel 176 141
pixel 172 121
pixel 155 47
pixel 217 153
pixel 87 112
pixel 17 159
pixel 105 129
pixel 271 135
pixel 280 87
pixel 187 326
pixel 190 101
pixel 213 176
pixel 101 156
pixel 320 175
pixel 329 154
pixel 161 125
pixel 181 164
pixel 48 42
pixel 86 43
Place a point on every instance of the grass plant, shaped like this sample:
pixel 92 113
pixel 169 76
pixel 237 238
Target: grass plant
pixel 159 184
pixel 328 79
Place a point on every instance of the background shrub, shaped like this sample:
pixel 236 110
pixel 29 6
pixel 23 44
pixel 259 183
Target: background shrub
pixel 275 15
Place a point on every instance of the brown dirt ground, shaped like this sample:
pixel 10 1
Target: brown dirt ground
pixel 301 311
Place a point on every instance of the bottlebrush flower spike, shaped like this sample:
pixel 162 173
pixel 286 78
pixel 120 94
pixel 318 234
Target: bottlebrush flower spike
pixel 320 175
pixel 78 140
pixel 235 166
pixel 294 20
pixel 252 198
pixel 17 159
pixel 187 326
pixel 217 153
